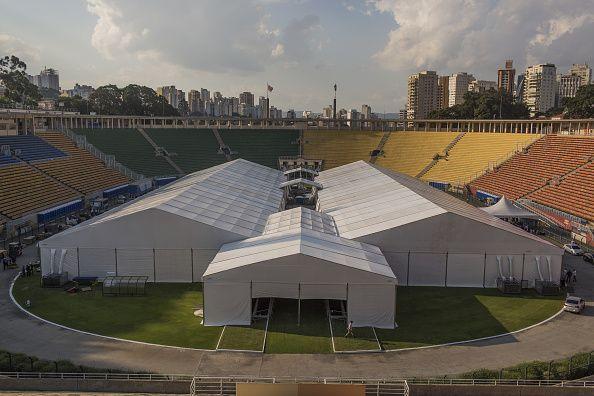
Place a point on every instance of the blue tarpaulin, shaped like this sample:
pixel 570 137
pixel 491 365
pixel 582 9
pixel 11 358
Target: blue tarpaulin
pixel 115 191
pixel 485 195
pixel 56 212
pixel 161 181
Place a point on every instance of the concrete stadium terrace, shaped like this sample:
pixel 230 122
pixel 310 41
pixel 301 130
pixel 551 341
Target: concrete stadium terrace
pixel 31 120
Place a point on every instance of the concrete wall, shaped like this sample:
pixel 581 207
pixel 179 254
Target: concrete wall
pixel 119 386
pixel 503 390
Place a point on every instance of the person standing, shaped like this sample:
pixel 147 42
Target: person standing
pixel 350 330
pixel 574 276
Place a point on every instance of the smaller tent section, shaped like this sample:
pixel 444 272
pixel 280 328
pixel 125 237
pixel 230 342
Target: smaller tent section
pixel 505 209
pixel 299 263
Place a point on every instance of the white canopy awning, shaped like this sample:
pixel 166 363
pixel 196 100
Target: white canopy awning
pixel 504 208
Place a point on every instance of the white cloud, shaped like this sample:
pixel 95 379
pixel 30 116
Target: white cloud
pixel 278 51
pixel 475 35
pixel 226 37
pixel 11 45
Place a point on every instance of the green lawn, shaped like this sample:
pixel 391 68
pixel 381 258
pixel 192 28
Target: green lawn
pixel 285 336
pixel 425 316
pixel 363 339
pixel 250 338
pixel 437 315
pixel 164 316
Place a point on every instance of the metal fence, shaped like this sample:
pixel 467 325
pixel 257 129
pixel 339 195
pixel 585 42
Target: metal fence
pixel 109 160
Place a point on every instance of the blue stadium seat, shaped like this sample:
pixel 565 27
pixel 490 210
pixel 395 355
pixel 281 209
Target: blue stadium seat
pixel 32 148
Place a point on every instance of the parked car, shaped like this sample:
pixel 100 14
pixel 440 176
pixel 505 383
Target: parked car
pixel 574 304
pixel 573 248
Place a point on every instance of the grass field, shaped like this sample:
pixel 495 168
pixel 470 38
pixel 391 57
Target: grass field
pixel 363 338
pixel 164 316
pixel 425 316
pixel 249 338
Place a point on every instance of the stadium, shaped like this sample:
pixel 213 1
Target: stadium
pixel 272 236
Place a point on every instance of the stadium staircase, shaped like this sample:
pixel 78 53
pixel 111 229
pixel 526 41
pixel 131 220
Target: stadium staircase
pixel 129 148
pixel 338 148
pixel 380 147
pixel 438 157
pixel 475 153
pixel 411 152
pixel 222 144
pixel 195 149
pixel 160 152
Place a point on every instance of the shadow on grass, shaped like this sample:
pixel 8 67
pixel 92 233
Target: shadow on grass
pixel 165 315
pixel 286 336
pixel 436 315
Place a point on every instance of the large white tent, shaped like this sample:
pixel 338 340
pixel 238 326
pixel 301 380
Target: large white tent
pixel 428 237
pixel 301 259
pixel 171 234
pixel 372 228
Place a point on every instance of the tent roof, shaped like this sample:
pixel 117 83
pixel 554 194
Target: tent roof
pixel 300 218
pixel 506 208
pixel 236 196
pixel 352 254
pixel 364 199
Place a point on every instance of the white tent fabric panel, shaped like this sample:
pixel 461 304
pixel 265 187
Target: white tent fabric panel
pixel 201 260
pixel 136 262
pixel 280 290
pixel 173 265
pixel 44 257
pixel 69 261
pixel 492 269
pixel 96 262
pixel 531 268
pixel 371 305
pixel 323 292
pixel 227 304
pixel 427 269
pixel 399 263
pixel 465 270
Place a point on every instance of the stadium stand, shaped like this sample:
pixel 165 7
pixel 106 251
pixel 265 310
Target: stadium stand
pixel 191 149
pixel 32 148
pixel 261 146
pixel 410 152
pixel 338 148
pixel 80 169
pixel 574 194
pixel 24 190
pixel 129 148
pixel 547 160
pixel 475 153
pixel 7 159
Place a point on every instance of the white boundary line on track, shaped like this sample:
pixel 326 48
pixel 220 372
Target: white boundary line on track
pixel 94 334
pixel 214 350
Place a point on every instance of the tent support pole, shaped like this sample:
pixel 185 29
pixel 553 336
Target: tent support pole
pixel 299 307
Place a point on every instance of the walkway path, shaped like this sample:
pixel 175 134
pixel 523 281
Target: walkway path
pixel 565 335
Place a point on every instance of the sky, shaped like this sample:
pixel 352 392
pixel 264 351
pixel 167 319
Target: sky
pixel 300 47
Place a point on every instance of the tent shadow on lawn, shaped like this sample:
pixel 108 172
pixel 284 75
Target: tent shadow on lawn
pixel 434 315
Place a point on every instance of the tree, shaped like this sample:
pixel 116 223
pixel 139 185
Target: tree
pixel 107 100
pixel 485 105
pixel 18 87
pixel 141 100
pixel 582 105
pixel 75 103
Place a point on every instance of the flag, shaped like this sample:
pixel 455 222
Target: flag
pixel 269 88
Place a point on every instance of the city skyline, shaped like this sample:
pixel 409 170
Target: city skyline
pixel 300 48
